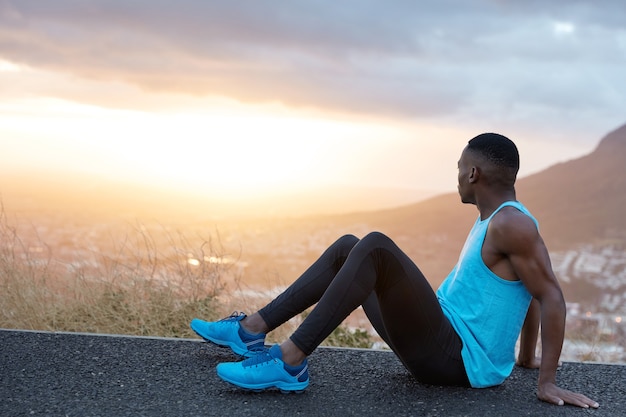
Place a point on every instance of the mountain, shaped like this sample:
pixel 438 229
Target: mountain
pixel 583 200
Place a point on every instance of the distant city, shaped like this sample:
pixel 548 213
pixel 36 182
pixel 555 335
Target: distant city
pixel 595 277
pixel 265 257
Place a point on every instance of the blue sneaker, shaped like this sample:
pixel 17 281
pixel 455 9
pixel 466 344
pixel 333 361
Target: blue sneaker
pixel 266 370
pixel 228 332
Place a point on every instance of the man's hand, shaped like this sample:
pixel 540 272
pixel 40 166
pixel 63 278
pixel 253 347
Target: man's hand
pixel 550 393
pixel 532 363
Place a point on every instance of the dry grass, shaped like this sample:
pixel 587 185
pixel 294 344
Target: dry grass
pixel 139 290
pixel 139 287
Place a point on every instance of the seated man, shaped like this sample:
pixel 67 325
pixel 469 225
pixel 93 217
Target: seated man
pixel 464 334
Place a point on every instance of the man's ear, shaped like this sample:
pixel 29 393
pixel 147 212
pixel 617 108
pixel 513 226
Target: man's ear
pixel 474 174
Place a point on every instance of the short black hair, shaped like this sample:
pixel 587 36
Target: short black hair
pixel 497 149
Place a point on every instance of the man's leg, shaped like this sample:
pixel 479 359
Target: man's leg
pixel 310 286
pixel 413 323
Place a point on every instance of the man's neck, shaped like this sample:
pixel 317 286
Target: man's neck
pixel 488 203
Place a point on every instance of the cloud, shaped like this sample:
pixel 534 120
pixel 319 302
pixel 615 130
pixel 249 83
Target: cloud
pixel 451 59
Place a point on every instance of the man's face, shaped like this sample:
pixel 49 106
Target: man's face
pixel 464 186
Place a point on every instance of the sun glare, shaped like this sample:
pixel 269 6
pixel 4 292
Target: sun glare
pixel 7 66
pixel 233 151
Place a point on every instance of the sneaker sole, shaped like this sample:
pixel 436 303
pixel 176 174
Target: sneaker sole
pixel 283 387
pixel 257 391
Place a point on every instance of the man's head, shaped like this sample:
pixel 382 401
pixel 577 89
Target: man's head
pixel 492 160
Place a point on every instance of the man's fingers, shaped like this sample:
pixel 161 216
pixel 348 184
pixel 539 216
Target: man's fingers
pixel 580 400
pixel 568 397
pixel 552 399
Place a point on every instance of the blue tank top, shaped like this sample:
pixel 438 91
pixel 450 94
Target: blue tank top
pixel 486 311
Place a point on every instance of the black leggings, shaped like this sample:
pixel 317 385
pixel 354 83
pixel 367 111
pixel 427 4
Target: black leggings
pixel 395 295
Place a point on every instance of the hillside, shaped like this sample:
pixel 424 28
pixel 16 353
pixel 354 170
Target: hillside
pixel 583 200
pixel 579 201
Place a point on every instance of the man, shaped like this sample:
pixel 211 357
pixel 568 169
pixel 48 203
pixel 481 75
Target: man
pixel 464 334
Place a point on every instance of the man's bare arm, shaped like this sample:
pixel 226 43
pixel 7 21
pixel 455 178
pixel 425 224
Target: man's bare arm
pixel 527 357
pixel 515 235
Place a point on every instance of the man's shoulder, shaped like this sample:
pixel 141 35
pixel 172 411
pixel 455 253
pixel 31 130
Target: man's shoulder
pixel 511 221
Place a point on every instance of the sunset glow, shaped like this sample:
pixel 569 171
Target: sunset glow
pixel 236 149
pixel 268 103
pixel 216 143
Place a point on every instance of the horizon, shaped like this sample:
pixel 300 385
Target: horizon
pixel 301 99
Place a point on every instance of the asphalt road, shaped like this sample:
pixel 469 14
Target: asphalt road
pixel 64 374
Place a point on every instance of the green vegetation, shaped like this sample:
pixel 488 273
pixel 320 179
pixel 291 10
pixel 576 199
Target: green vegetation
pixel 141 289
pixel 342 336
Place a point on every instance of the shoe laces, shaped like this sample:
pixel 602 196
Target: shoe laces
pixel 235 316
pixel 262 357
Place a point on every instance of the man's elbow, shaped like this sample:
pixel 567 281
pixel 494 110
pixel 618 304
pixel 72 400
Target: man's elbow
pixel 552 297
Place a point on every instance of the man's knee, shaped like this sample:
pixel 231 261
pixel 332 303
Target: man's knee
pixel 370 241
pixel 375 239
pixel 346 243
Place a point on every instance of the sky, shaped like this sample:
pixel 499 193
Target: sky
pixel 249 96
